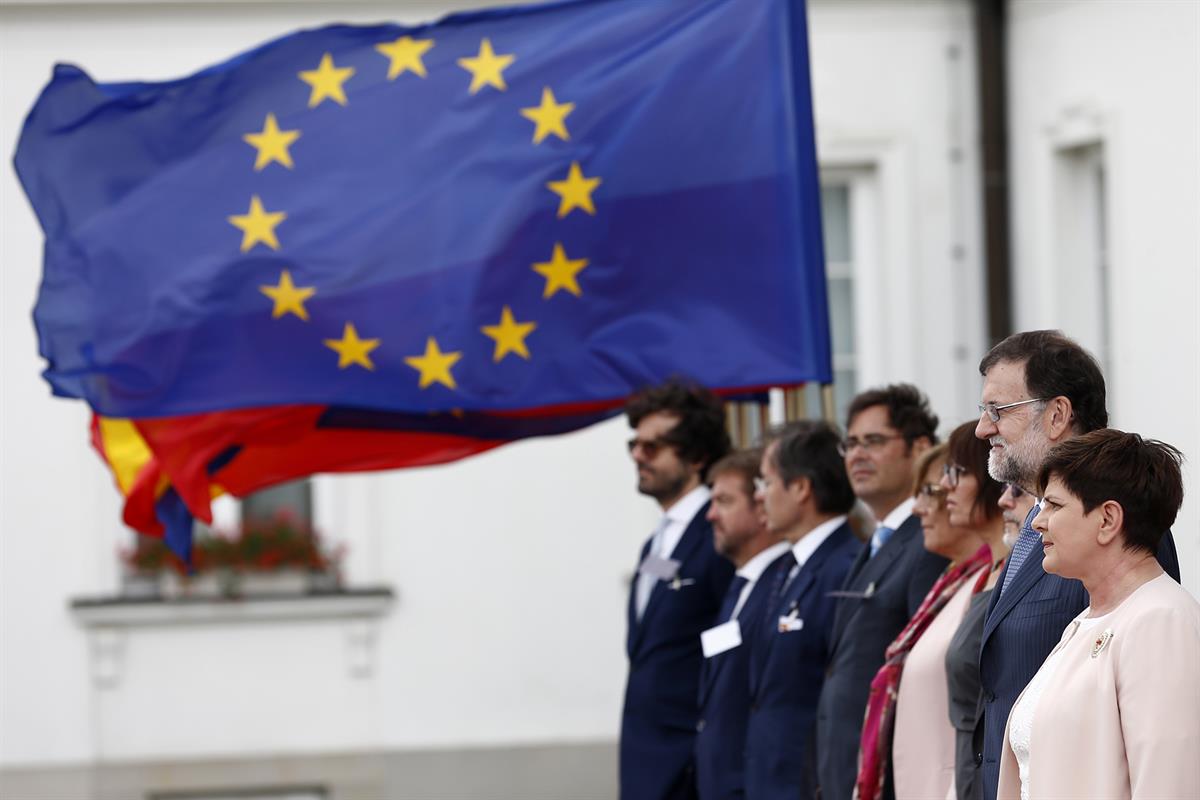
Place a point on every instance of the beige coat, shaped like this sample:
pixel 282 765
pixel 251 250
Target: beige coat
pixel 1120 719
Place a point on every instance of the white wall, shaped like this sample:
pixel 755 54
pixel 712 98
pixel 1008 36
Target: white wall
pixel 1125 75
pixel 894 91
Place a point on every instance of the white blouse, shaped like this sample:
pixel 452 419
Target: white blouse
pixel 1020 721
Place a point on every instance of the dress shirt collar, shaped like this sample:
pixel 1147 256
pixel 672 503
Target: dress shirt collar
pixel 686 507
pixel 809 542
pixel 899 514
pixel 753 569
pixel 675 520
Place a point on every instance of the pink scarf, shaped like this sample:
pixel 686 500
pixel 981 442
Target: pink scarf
pixel 880 720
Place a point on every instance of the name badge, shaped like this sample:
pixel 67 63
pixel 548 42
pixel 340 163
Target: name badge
pixel 721 638
pixel 790 623
pixel 656 566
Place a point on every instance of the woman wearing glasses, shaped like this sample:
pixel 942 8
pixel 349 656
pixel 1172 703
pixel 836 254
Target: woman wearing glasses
pixel 907 719
pixel 1114 710
pixel 974 502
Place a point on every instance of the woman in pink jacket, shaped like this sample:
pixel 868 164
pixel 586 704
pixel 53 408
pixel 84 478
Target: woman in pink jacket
pixel 1114 711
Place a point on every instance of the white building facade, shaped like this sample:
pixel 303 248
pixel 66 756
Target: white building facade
pixel 483 655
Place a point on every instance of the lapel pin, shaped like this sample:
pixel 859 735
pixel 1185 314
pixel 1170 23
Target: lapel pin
pixel 1101 642
pixel 679 583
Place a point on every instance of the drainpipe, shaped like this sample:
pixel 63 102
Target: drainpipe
pixel 993 125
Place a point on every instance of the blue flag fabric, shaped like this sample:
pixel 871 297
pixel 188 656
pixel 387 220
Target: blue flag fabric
pixel 502 210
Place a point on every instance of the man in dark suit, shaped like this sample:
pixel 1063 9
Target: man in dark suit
pixel 806 496
pixel 677 591
pixel 1040 388
pixel 887 431
pixel 740 536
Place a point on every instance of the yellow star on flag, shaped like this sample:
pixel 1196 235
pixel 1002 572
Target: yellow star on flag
pixel 550 117
pixel 272 144
pixel 509 335
pixel 405 54
pixel 486 68
pixel 258 225
pixel 289 298
pixel 560 272
pixel 326 82
pixel 575 191
pixel 434 365
pixel 351 349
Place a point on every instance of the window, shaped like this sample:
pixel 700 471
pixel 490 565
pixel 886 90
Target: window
pixel 836 221
pixel 1082 251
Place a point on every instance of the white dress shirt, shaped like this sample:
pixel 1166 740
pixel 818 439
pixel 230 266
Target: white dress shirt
pixel 679 516
pixel 666 536
pixel 899 514
pixel 803 549
pixel 753 569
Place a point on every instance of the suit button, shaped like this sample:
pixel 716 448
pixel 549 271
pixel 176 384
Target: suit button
pixel 990 697
pixel 700 726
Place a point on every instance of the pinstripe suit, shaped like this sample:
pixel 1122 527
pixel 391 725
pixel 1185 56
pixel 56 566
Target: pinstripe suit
pixel 1023 624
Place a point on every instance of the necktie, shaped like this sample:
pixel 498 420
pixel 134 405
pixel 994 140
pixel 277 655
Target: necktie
pixel 645 583
pixel 732 595
pixel 879 538
pixel 789 568
pixel 1028 539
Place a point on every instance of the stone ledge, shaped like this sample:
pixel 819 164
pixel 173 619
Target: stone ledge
pixel 131 612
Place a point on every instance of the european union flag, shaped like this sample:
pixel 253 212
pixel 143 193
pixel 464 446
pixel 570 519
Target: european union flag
pixel 503 221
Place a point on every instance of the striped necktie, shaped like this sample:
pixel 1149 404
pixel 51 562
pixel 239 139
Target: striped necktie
pixel 1028 540
pixel 879 538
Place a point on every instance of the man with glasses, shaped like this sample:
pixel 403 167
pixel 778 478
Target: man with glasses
pixel 806 496
pixel 679 431
pixel 887 431
pixel 1040 388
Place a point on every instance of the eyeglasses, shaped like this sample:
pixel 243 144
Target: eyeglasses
pixel 952 472
pixel 650 447
pixel 932 493
pixel 1015 491
pixel 870 442
pixel 993 410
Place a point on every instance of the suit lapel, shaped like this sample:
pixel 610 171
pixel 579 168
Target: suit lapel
pixel 800 587
pixel 692 538
pixel 1024 580
pixel 871 570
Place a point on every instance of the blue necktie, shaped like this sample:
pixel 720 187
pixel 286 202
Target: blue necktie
pixel 1028 540
pixel 879 538
pixel 731 598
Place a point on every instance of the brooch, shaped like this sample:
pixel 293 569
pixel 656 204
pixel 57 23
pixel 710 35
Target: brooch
pixel 1101 642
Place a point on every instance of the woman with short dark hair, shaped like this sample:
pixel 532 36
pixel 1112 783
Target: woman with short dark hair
pixel 1114 711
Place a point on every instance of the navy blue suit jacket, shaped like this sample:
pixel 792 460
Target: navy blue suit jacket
pixel 658 724
pixel 885 591
pixel 1022 626
pixel 725 700
pixel 787 670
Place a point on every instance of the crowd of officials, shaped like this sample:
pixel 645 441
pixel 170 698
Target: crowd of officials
pixel 1009 625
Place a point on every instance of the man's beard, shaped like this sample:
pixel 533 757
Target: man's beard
pixel 662 487
pixel 1019 462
